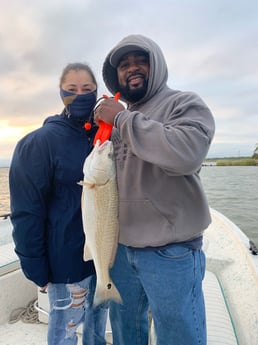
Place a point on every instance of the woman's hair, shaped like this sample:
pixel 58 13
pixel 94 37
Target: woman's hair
pixel 77 66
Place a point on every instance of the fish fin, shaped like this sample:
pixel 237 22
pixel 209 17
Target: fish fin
pixel 112 259
pixel 106 293
pixel 90 184
pixel 87 254
pixel 87 184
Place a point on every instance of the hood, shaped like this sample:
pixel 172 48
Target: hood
pixel 64 121
pixel 158 67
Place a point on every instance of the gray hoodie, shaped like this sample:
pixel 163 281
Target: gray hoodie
pixel 160 143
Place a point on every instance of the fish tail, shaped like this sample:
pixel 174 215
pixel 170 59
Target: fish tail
pixel 106 293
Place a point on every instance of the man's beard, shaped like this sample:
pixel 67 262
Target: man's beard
pixel 134 95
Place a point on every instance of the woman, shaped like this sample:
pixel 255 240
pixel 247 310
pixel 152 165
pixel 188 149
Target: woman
pixel 46 211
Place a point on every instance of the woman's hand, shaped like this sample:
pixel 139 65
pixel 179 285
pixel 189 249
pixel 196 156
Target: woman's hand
pixel 43 289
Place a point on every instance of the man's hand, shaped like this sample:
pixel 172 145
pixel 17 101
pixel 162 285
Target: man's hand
pixel 107 110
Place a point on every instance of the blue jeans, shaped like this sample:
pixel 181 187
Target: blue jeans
pixel 71 305
pixel 169 282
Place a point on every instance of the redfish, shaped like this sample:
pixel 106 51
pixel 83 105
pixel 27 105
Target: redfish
pixel 100 217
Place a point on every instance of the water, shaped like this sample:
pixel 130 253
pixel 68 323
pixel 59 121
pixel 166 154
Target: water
pixel 234 192
pixel 231 190
pixel 4 191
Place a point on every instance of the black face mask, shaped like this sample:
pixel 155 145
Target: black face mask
pixel 78 107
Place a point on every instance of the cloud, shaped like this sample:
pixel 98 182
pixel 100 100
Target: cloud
pixel 210 48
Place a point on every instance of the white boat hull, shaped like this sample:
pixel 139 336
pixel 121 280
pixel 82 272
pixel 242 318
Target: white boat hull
pixel 230 288
pixel 229 258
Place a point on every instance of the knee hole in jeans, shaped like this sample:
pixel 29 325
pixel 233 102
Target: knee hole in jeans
pixel 75 300
pixel 78 295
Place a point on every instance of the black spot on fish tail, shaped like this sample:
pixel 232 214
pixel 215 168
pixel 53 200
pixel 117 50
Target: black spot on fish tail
pixel 109 286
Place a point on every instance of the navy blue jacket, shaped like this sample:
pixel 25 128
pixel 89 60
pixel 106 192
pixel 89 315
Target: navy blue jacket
pixel 46 201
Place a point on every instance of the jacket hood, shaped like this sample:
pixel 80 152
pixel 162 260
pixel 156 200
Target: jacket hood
pixel 158 67
pixel 64 121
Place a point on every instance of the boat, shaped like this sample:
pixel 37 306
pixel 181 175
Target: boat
pixel 230 290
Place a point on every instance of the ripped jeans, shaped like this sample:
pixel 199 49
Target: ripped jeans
pixel 70 305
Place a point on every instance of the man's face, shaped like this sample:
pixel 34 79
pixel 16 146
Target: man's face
pixel 133 75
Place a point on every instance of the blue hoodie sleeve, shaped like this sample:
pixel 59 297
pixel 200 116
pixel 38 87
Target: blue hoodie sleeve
pixel 30 184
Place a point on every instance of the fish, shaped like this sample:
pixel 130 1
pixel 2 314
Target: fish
pixel 99 205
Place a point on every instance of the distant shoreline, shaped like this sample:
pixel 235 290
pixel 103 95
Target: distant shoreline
pixel 230 161
pixel 224 161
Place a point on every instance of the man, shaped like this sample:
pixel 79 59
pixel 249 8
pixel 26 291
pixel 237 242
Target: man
pixel 160 142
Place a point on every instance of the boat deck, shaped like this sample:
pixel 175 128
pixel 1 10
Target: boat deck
pixel 23 334
pixel 230 290
pixel 30 334
pixel 219 324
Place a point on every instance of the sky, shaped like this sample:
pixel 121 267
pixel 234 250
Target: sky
pixel 210 48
